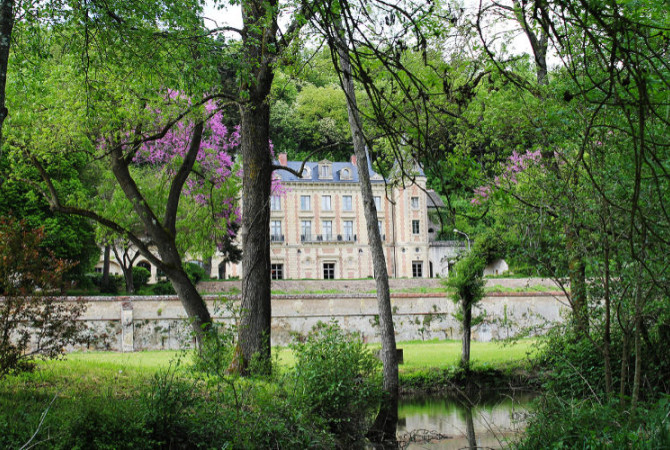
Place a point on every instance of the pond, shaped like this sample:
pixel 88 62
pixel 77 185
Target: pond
pixel 445 422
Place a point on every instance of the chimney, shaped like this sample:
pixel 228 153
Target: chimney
pixel 353 160
pixel 283 159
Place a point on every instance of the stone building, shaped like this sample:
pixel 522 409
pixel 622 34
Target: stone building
pixel 318 229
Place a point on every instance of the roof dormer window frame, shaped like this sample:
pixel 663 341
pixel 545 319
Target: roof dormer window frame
pixel 325 170
pixel 345 174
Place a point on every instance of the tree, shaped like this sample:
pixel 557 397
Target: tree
pixel 33 321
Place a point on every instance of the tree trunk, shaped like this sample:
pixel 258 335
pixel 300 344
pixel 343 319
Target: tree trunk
pixel 259 42
pixel 194 305
pixel 467 330
pixel 104 282
pixel 607 338
pixel 577 273
pixel 385 425
pixel 255 322
pixel 6 27
pixel 637 339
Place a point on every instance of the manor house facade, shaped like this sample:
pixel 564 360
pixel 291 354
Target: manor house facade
pixel 318 228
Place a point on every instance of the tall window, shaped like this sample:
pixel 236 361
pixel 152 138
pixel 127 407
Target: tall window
pixel 378 203
pixel 327 230
pixel 380 225
pixel 417 269
pixel 324 171
pixel 415 227
pixel 275 231
pixel 347 204
pixel 277 271
pixel 328 271
pixel 414 201
pixel 325 203
pixel 275 203
pixel 349 230
pixel 306 230
pixel 305 203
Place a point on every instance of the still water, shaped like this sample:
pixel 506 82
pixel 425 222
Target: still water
pixel 448 422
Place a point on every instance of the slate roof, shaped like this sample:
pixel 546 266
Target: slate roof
pixel 337 168
pixel 434 200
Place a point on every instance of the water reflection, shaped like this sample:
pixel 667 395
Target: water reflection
pixel 447 422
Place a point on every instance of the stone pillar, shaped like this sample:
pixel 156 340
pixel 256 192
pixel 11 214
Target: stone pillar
pixel 127 328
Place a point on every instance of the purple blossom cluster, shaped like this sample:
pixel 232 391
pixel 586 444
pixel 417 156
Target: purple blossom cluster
pixel 516 163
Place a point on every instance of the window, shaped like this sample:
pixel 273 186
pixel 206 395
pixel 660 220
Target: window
pixel 98 270
pixel 378 203
pixel 348 230
pixel 144 264
pixel 275 203
pixel 328 271
pixel 380 225
pixel 324 171
pixel 306 230
pixel 327 230
pixel 415 227
pixel 275 231
pixel 346 203
pixel 326 205
pixel 345 174
pixel 414 201
pixel 306 172
pixel 417 269
pixel 277 271
pixel 305 203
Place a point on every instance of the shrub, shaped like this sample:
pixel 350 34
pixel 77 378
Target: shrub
pixel 337 379
pixel 33 322
pixel 113 286
pixel 140 277
pixel 194 271
pixel 163 288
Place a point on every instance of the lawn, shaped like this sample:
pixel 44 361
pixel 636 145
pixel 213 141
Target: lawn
pixel 121 372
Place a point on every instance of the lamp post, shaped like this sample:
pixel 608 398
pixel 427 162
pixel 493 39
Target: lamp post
pixel 466 237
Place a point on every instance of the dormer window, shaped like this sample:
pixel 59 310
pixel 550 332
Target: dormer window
pixel 345 174
pixel 325 170
pixel 306 172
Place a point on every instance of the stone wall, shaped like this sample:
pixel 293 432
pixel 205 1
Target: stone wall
pixel 151 323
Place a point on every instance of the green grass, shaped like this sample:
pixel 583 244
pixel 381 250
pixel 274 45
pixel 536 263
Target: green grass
pixel 121 371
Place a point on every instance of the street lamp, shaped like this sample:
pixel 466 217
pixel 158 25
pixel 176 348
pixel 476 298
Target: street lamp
pixel 466 237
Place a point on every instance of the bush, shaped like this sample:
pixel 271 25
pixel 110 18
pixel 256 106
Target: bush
pixel 587 424
pixel 163 288
pixel 33 322
pixel 337 379
pixel 194 271
pixel 140 277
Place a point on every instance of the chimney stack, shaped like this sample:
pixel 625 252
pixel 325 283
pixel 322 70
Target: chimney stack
pixel 283 159
pixel 353 160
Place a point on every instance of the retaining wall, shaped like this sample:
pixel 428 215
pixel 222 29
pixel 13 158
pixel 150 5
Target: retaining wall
pixel 150 323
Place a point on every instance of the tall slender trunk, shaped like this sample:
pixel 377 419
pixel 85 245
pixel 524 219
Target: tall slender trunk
pixel 385 425
pixel 255 323
pixel 625 353
pixel 104 282
pixel 607 338
pixel 6 27
pixel 467 331
pixel 637 338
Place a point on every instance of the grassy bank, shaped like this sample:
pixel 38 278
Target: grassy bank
pixel 121 373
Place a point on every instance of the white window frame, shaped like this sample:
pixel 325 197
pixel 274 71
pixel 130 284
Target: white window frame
pixel 327 226
pixel 275 203
pixel 305 203
pixel 416 226
pixel 326 203
pixel 414 202
pixel 347 203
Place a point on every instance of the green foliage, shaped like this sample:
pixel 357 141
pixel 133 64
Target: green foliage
pixel 105 423
pixel 33 322
pixel 163 288
pixel 140 277
pixel 562 424
pixel 194 271
pixel 336 379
